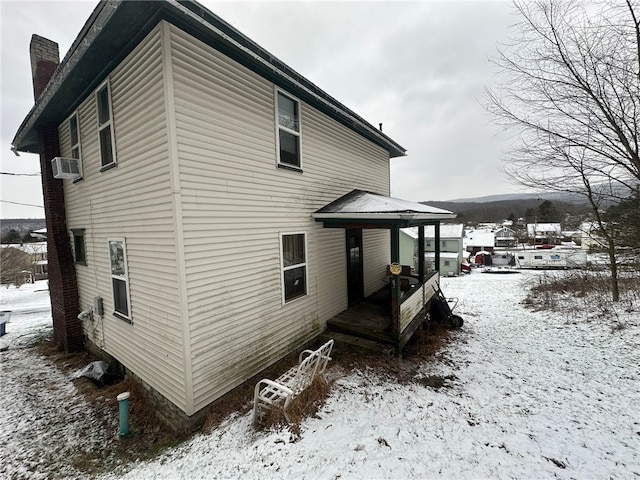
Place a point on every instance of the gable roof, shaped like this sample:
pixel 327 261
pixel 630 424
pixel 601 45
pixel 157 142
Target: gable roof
pixel 479 238
pixel 116 27
pixel 447 231
pixel 537 228
pixel 359 205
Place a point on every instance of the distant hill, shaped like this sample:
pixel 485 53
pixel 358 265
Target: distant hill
pixel 21 225
pixel 510 207
pixel 553 197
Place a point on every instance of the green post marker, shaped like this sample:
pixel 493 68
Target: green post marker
pixel 123 405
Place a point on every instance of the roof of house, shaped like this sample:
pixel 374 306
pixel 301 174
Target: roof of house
pixel 442 255
pixel 504 232
pixel 116 27
pixel 479 238
pixel 447 231
pixel 30 248
pixel 533 228
pixel 366 206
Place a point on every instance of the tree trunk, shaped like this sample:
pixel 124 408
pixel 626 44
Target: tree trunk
pixel 615 291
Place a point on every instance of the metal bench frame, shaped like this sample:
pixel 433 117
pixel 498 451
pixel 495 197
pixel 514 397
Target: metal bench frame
pixel 279 393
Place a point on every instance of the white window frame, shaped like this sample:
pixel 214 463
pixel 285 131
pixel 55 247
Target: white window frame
pixel 78 145
pixel 124 278
pixel 304 264
pixel 108 124
pixel 279 127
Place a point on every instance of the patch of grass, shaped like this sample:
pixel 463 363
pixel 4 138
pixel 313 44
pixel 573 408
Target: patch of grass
pixel 586 292
pixel 149 435
pixel 436 381
pixel 426 342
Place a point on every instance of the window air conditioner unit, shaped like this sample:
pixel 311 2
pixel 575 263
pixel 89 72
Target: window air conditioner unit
pixel 64 167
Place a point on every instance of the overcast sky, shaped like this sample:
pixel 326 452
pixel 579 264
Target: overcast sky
pixel 419 68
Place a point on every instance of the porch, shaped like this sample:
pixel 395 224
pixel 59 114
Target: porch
pixel 371 318
pixel 391 315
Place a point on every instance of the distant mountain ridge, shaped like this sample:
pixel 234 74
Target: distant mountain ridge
pixel 554 197
pixel 21 225
pixel 497 208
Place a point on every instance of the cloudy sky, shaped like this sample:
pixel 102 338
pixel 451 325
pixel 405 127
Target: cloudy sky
pixel 419 68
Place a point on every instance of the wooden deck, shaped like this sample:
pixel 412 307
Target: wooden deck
pixel 371 319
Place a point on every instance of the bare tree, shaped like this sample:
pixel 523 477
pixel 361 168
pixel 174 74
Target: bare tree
pixel 13 262
pixel 570 93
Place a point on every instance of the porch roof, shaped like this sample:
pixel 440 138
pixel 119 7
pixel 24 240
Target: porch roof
pixel 360 207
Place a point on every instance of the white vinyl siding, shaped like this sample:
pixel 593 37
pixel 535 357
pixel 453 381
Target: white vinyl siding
pixel 132 201
pixel 223 211
pixel 376 245
pixel 236 204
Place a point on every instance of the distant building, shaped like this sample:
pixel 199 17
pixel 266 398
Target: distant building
pixel 541 233
pixel 590 236
pixel 40 234
pixel 505 237
pixel 479 240
pixel 451 247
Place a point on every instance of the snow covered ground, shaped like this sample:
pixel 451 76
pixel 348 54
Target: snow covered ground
pixel 530 395
pixel 43 419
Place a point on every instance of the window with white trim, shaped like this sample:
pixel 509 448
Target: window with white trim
pixel 74 134
pixel 288 127
pixel 105 127
pixel 120 279
pixel 293 247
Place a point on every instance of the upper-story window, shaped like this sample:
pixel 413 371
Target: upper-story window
pixel 105 127
pixel 74 133
pixel 74 139
pixel 288 123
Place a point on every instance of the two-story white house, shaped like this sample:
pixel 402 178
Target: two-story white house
pixel 541 233
pixel 505 237
pixel 207 206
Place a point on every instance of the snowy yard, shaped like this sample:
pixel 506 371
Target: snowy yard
pixel 529 395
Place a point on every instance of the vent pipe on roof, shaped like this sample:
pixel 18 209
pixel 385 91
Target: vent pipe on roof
pixel 45 58
pixel 380 127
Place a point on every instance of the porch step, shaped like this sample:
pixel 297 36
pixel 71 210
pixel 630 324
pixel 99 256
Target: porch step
pixel 350 341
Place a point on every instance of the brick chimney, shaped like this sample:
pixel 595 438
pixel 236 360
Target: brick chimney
pixel 45 58
pixel 63 287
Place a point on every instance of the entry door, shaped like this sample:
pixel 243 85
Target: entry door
pixel 355 278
